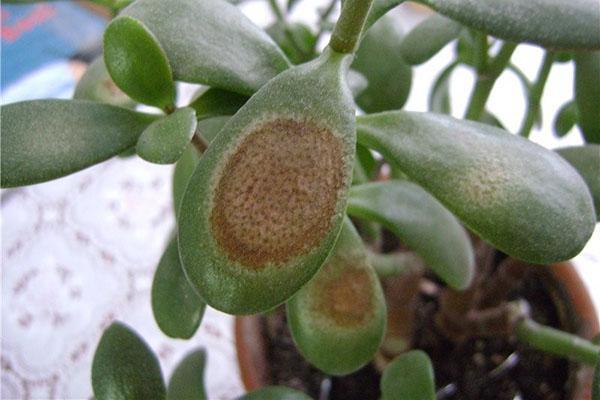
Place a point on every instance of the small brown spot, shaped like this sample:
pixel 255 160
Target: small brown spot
pixel 347 299
pixel 278 192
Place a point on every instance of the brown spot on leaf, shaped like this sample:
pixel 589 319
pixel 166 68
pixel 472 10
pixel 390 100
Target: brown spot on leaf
pixel 347 299
pixel 278 192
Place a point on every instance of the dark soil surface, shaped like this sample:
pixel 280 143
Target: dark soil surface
pixel 471 368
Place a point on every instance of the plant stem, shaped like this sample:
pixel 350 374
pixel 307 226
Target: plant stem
pixel 482 51
pixel 393 264
pixel 557 342
pixel 535 94
pixel 486 79
pixel 349 26
pixel 199 142
pixel 277 11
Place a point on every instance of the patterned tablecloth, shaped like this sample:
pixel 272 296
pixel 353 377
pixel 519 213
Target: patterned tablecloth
pixel 78 253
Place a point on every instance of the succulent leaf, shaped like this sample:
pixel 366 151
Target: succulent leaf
pixel 165 140
pixel 226 49
pixel 125 368
pixel 187 381
pixel 265 203
pixel 525 200
pixel 338 319
pixel 137 63
pixel 176 306
pixel 380 60
pixel 410 376
pixel 549 23
pixel 421 222
pixel 46 139
pixel 587 94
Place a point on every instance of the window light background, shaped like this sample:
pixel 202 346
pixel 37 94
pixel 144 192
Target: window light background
pixel 81 251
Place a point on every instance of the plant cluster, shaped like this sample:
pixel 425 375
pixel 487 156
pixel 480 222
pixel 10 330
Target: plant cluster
pixel 271 162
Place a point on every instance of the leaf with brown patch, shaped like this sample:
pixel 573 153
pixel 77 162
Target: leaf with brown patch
pixel 341 310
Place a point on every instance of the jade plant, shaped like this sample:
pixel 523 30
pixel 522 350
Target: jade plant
pixel 280 189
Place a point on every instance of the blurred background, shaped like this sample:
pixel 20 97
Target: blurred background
pixel 80 252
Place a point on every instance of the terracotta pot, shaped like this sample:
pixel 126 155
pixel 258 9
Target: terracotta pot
pixel 575 307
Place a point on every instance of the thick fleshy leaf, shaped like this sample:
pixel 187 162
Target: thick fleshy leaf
pixel 566 118
pixel 439 97
pixel 587 94
pixel 586 160
pixel 137 63
pixel 379 9
pixel 553 24
pixel 338 319
pixel 46 139
pixel 187 381
pixel 125 368
pixel 421 222
pixel 97 85
pixel 275 393
pixel 217 102
pixel 525 200
pixel 295 39
pixel 379 59
pixel 165 140
pixel 176 306
pixel 265 203
pixel 222 48
pixel 410 376
pixel 184 168
pixel 427 38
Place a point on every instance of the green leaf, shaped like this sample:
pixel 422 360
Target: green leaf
pixel 428 38
pixel 184 168
pixel 490 119
pixel 275 393
pixel 97 85
pixel 265 203
pixel 217 102
pixel 439 97
pixel 222 48
pixel 177 308
pixel 187 381
pixel 125 368
pixel 410 376
pixel 46 139
pixel 338 318
pixel 586 160
pixel 165 140
pixel 295 39
pixel 380 60
pixel 137 63
pixel 525 200
pixel 596 384
pixel 366 160
pixel 421 222
pixel 553 24
pixel 566 117
pixel 379 9
pixel 587 94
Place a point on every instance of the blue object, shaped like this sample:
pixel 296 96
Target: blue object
pixel 34 35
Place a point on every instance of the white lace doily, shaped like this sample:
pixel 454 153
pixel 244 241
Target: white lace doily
pixel 78 253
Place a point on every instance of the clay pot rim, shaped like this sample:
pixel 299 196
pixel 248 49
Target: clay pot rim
pixel 250 346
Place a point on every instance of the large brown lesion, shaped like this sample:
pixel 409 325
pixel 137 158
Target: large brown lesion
pixel 346 299
pixel 278 192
